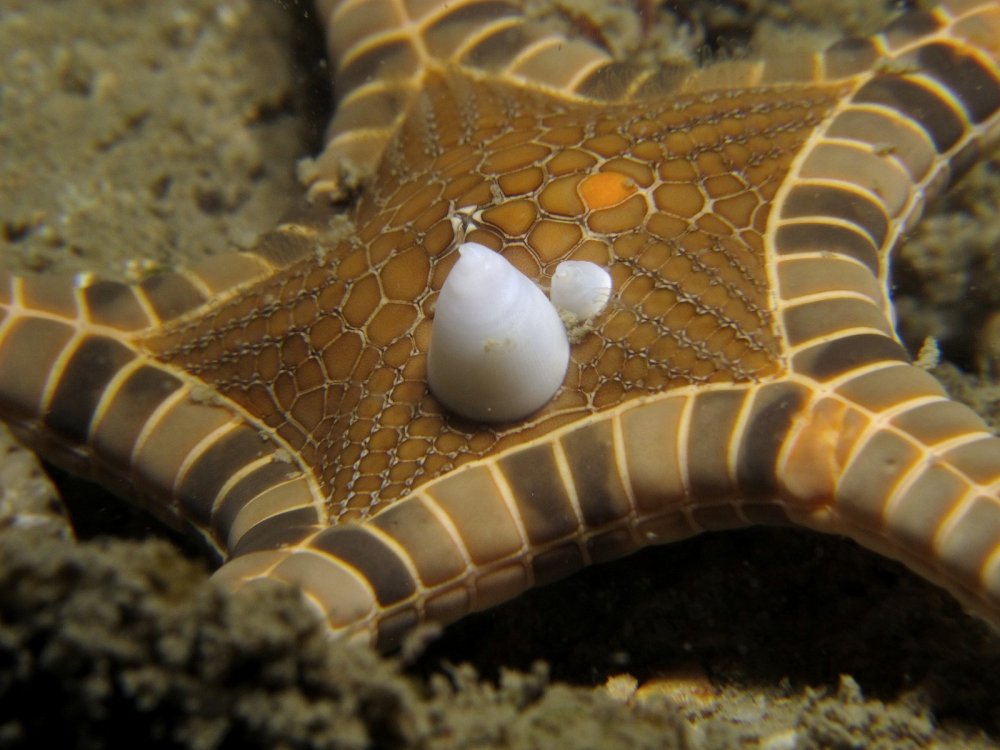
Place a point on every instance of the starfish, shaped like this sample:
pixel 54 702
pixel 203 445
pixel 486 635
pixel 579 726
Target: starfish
pixel 274 403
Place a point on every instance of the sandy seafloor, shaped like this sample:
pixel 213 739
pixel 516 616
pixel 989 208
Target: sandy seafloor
pixel 138 132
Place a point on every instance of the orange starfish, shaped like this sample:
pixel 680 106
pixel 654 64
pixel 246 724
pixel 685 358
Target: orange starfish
pixel 275 402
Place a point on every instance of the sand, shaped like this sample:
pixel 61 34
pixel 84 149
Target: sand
pixel 145 133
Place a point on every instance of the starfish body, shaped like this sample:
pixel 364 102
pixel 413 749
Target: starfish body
pixel 275 402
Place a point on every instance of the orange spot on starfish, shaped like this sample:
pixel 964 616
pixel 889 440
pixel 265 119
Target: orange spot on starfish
pixel 605 189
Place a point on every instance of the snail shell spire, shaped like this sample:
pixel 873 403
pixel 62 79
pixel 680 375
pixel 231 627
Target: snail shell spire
pixel 498 349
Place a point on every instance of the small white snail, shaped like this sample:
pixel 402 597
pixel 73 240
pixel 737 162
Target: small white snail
pixel 498 349
pixel 580 288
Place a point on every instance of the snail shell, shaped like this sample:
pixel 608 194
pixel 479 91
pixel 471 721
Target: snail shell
pixel 580 288
pixel 498 349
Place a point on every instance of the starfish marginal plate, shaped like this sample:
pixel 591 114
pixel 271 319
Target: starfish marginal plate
pixel 274 402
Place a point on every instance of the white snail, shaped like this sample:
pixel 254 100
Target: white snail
pixel 498 349
pixel 580 288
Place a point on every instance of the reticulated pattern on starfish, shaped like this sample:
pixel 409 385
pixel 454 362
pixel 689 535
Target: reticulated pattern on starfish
pixel 746 369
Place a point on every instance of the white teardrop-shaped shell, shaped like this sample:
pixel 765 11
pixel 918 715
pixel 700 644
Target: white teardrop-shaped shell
pixel 498 349
pixel 580 288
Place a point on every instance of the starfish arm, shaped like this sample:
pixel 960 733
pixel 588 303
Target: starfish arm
pixel 879 453
pixel 912 124
pixel 383 51
pixel 651 472
pixel 77 385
